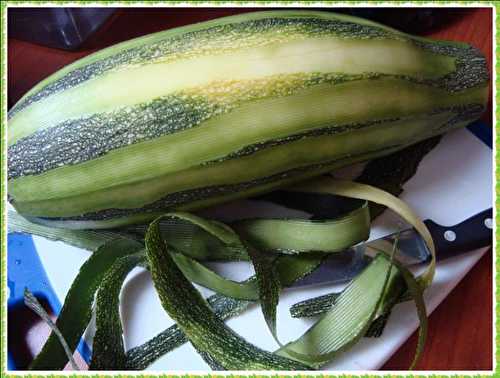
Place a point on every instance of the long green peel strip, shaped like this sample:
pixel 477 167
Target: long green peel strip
pixel 193 315
pixel 108 351
pixel 339 344
pixel 289 269
pixel 77 309
pixel 269 286
pixel 295 236
pixel 32 302
pixel 89 240
pixel 196 327
pixel 172 269
pixel 416 291
pixel 361 191
pixel 349 318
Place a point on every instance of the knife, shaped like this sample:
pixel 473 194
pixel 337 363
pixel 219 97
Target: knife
pixel 473 233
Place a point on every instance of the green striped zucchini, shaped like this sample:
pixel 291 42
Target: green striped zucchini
pixel 232 107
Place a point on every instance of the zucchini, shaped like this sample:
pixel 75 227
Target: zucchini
pixel 202 114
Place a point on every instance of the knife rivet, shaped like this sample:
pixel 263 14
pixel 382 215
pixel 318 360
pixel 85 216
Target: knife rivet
pixel 488 222
pixel 450 235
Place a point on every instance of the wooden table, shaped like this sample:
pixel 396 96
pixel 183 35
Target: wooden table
pixel 460 333
pixel 461 328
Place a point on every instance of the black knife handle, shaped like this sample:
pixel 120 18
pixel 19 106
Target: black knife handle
pixel 472 233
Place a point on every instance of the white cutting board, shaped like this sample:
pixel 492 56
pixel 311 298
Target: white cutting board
pixel 452 183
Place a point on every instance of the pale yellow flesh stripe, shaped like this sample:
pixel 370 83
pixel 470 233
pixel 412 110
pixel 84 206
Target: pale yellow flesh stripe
pixel 163 35
pixel 136 85
pixel 264 163
pixel 180 151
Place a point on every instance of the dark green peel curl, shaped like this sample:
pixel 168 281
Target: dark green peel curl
pixel 193 315
pixel 194 242
pixel 269 286
pixel 32 302
pixel 77 309
pixel 108 352
pixel 218 111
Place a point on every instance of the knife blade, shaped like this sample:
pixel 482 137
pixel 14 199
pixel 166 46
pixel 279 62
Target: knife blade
pixel 474 232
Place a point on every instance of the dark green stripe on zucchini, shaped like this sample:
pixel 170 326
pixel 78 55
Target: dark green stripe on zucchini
pixel 237 106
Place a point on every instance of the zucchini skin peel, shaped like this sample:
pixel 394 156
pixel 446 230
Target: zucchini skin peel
pixel 185 117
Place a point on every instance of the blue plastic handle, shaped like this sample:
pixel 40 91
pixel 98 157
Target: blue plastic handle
pixel 25 270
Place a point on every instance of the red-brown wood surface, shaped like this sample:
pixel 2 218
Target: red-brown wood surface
pixel 460 329
pixel 460 333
